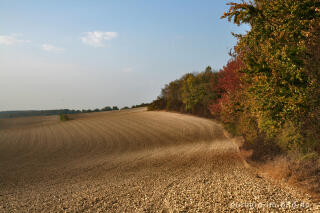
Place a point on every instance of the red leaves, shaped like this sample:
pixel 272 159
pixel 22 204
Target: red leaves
pixel 228 83
pixel 229 77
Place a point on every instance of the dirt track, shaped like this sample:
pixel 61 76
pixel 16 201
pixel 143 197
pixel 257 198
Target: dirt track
pixel 129 161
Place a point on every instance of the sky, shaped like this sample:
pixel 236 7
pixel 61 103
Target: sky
pixel 82 54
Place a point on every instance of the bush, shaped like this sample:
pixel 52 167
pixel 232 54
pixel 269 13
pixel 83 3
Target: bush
pixel 64 117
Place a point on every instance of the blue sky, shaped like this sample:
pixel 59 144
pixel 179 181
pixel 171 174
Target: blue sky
pixel 93 53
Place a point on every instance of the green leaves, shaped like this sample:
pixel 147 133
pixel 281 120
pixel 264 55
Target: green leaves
pixel 274 52
pixel 271 89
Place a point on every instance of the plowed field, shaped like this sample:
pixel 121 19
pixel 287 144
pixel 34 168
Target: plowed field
pixel 129 161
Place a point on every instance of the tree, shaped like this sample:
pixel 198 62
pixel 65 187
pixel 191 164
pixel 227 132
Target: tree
pixel 227 84
pixel 274 51
pixel 107 108
pixel 191 93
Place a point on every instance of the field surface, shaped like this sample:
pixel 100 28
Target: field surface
pixel 130 161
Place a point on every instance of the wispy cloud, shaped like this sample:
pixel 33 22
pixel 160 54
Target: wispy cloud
pixel 11 39
pixel 98 38
pixel 51 48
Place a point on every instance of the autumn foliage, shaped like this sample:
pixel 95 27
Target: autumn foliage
pixel 269 91
pixel 192 93
pixel 227 86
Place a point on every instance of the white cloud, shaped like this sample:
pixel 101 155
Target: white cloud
pixel 51 48
pixel 11 39
pixel 98 38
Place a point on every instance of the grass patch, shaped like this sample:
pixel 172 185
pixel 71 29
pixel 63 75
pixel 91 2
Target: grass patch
pixel 301 170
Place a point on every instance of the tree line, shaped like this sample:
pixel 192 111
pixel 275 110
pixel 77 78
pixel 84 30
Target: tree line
pixel 269 91
pixel 26 113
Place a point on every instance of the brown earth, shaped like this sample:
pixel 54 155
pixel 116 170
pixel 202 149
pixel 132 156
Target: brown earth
pixel 131 161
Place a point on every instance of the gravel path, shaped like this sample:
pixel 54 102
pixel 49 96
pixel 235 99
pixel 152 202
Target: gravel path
pixel 132 161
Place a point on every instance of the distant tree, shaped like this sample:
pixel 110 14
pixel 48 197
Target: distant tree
pixel 115 108
pixel 197 92
pixel 107 108
pixel 125 108
pixel 191 93
pixel 140 105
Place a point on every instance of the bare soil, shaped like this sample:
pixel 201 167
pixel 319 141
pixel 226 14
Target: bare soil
pixel 132 161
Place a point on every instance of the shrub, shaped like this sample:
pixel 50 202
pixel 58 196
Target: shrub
pixel 64 117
